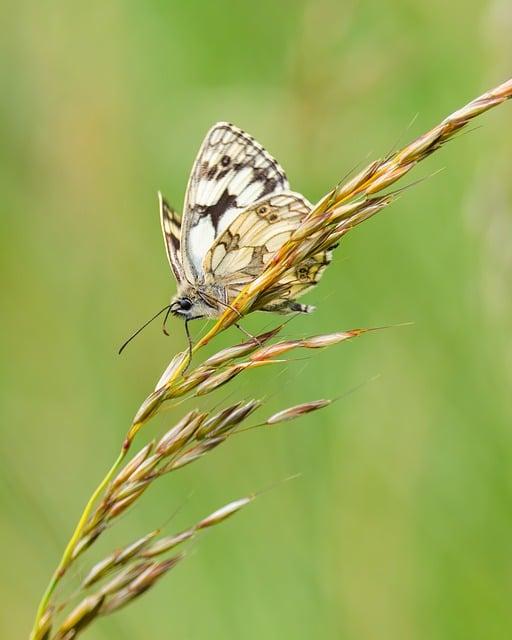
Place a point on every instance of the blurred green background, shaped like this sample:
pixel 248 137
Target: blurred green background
pixel 399 526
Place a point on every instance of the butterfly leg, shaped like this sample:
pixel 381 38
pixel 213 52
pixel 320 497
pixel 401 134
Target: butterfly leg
pixel 249 335
pixel 189 339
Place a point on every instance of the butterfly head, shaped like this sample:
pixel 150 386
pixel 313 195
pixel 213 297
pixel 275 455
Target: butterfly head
pixel 183 306
pixel 193 303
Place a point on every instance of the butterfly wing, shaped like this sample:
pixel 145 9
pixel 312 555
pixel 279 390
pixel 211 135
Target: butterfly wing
pixel 244 249
pixel 171 229
pixel 296 282
pixel 231 172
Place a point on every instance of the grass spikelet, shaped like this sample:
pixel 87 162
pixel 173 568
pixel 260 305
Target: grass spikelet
pixel 224 512
pixel 81 616
pixel 117 559
pixel 297 411
pixel 139 585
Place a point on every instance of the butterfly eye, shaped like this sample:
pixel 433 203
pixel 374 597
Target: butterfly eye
pixel 185 304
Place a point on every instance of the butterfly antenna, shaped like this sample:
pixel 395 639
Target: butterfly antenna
pixel 166 308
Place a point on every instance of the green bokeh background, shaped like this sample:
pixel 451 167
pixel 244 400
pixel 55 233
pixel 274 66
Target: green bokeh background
pixel 399 526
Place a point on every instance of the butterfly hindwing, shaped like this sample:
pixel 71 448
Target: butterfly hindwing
pixel 244 249
pixel 231 172
pixel 171 229
pixel 294 283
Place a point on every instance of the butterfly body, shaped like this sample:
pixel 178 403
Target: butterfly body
pixel 238 212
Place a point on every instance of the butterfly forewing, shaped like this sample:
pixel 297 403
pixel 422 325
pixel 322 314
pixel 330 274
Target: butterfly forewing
pixel 231 172
pixel 171 229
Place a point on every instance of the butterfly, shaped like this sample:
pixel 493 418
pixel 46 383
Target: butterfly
pixel 239 210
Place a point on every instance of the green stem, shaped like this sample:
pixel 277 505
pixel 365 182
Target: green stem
pixel 68 552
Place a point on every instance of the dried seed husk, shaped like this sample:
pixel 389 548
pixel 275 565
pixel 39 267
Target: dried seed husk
pixel 309 227
pixel 328 339
pixel 298 410
pixel 145 468
pixel 166 544
pixel 170 435
pixel 228 374
pixel 129 489
pixel 213 421
pixel 243 349
pixel 194 453
pixel 123 578
pixel 149 407
pixel 274 350
pixel 217 380
pixel 174 366
pixel 134 548
pixel 134 463
pixel 224 512
pixel 88 538
pixel 179 436
pixel 314 342
pixel 388 178
pixel 354 185
pixel 45 625
pixel 139 585
pixel 118 507
pixel 191 382
pixel 81 616
pixel 236 417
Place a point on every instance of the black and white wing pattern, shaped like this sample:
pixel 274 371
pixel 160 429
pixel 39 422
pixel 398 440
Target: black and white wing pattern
pixel 231 172
pixel 171 229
